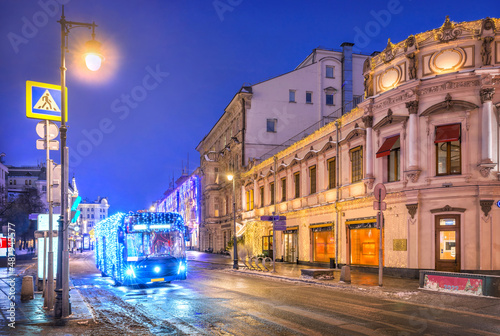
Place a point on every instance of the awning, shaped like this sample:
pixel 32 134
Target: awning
pixel 291 229
pixel 447 133
pixel 321 227
pixel 361 223
pixel 386 147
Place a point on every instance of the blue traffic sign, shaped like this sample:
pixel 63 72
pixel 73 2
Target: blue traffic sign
pixel 272 218
pixel 498 204
pixel 43 101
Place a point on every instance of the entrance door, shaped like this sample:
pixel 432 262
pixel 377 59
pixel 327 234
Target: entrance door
pixel 290 247
pixel 448 243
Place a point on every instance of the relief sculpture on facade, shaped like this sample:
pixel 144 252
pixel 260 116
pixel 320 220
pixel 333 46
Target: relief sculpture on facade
pixel 412 65
pixel 486 50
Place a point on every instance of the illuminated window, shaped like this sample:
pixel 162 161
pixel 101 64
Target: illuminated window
pixel 283 189
pixel 251 200
pixel 332 183
pixel 312 179
pixel 448 150
pixel 391 149
pixel 364 246
pixel 356 164
pixel 296 180
pixel 247 197
pixel 324 245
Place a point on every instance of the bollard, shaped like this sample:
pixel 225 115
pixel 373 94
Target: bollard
pixel 345 274
pixel 27 289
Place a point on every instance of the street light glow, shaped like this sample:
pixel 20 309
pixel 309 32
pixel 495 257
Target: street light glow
pixel 93 58
pixel 230 177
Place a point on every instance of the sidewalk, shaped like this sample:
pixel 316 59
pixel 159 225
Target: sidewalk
pixel 31 312
pixel 291 271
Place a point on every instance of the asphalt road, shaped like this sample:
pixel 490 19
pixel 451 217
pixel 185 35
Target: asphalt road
pixel 215 300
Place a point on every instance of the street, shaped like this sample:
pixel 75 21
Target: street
pixel 216 300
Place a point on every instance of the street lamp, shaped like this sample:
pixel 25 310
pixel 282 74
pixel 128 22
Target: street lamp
pixel 62 306
pixel 231 177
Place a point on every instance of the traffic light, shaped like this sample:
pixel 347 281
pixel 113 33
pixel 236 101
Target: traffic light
pixel 74 206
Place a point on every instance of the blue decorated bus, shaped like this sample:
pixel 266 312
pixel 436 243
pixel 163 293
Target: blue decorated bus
pixel 142 247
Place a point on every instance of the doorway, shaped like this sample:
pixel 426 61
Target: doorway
pixel 448 243
pixel 291 239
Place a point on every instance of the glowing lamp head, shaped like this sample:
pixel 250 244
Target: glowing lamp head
pixel 130 271
pixel 230 177
pixel 157 269
pixel 93 57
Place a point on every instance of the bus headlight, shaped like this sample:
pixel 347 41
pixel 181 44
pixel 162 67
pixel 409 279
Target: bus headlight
pixel 130 271
pixel 157 269
pixel 182 268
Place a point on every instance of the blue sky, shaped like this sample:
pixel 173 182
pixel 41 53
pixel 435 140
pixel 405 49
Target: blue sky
pixel 171 67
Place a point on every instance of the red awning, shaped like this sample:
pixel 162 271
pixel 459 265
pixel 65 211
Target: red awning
pixel 447 133
pixel 386 147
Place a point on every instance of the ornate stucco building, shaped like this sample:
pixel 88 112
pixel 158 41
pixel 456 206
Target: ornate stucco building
pixel 261 119
pixel 429 131
pixel 185 198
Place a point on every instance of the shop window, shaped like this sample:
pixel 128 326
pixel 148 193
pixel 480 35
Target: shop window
pixel 296 179
pixel 448 150
pixel 364 246
pixel 283 189
pixel 332 172
pixel 356 164
pixel 324 245
pixel 312 179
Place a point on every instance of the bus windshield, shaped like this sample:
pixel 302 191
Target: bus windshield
pixel 155 244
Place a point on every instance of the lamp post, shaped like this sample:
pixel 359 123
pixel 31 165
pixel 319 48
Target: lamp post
pixel 231 177
pixel 93 61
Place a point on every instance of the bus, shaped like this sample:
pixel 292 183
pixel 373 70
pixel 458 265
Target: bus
pixel 142 247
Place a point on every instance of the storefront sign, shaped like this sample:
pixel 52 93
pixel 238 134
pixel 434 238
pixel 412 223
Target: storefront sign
pixel 453 284
pixel 280 225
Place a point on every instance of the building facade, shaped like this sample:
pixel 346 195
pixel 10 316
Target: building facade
pixel 428 131
pixel 261 119
pixel 185 199
pixel 92 212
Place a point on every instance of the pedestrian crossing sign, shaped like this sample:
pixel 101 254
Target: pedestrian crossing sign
pixel 43 101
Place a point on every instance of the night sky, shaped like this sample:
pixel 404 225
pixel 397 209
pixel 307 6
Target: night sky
pixel 171 68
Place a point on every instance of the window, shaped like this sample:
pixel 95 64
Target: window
pixel 10 182
pixel 291 96
pixel 309 97
pixel 29 182
pixel 251 200
pixel 356 164
pixel 26 182
pixel 332 173
pixel 272 125
pixel 15 182
pixel 391 149
pixel 448 150
pixel 329 71
pixel 261 196
pixel 271 188
pixel 44 188
pixel 216 207
pixel 296 179
pixel 329 99
pixel 312 179
pixel 283 189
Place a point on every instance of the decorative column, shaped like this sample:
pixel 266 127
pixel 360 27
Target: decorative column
pixel 369 178
pixel 486 164
pixel 413 170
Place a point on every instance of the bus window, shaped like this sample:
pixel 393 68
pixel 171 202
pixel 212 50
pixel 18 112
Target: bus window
pixel 135 245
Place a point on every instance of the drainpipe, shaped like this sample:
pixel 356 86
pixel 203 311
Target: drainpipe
pixel 243 131
pixel 346 75
pixel 337 173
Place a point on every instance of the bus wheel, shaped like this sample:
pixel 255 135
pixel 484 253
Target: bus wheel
pixel 103 274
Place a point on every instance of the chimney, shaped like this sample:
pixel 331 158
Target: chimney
pixel 346 75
